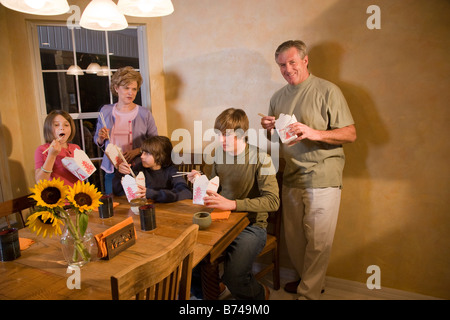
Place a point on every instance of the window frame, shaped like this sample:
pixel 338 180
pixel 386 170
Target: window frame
pixel 38 74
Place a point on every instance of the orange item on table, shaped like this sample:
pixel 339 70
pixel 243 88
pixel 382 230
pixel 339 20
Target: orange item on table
pixel 115 204
pixel 25 243
pixel 220 214
pixel 101 237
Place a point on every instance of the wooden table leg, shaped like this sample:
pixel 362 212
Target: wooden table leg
pixel 210 279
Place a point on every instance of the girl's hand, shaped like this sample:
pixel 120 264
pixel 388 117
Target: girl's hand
pixel 55 148
pixel 215 200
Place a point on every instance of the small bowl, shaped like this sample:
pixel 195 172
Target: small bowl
pixel 203 219
pixel 136 203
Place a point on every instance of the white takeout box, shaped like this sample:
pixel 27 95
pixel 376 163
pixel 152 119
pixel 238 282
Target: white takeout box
pixel 130 187
pixel 140 179
pixel 80 165
pixel 201 185
pixel 112 152
pixel 282 123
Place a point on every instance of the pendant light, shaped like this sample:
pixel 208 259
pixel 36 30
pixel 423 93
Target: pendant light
pixel 146 8
pixel 74 70
pixel 93 68
pixel 40 7
pixel 103 15
pixel 104 72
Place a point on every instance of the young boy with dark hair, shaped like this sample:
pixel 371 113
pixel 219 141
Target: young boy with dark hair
pixel 158 169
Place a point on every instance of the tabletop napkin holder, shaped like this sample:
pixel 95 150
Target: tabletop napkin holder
pixel 116 239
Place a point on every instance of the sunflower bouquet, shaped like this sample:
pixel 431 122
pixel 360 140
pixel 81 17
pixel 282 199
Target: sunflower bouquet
pixel 54 201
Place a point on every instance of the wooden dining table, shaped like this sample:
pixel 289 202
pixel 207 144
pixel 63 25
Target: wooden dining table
pixel 42 273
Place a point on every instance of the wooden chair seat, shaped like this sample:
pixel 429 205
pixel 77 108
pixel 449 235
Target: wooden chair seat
pixel 271 244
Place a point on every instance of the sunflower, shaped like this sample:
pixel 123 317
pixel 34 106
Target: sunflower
pixel 84 196
pixel 50 194
pixel 46 222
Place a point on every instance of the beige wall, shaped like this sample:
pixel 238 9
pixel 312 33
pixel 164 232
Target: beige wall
pixel 394 210
pixel 209 55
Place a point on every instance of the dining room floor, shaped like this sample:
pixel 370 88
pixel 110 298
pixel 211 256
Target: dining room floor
pixel 335 289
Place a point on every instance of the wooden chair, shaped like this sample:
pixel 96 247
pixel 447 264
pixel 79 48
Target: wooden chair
pixel 16 206
pixel 163 276
pixel 272 246
pixel 273 238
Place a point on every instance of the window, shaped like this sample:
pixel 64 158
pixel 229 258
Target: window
pixel 83 95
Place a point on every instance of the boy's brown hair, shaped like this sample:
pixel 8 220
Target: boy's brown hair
pixel 160 148
pixel 232 119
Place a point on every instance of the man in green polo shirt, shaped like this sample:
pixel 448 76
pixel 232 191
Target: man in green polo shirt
pixel 315 160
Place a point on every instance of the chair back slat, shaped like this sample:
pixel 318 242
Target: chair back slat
pixel 160 276
pixel 192 164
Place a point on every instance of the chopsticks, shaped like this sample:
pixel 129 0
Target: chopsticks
pixel 104 123
pixel 124 160
pixel 262 115
pixel 183 173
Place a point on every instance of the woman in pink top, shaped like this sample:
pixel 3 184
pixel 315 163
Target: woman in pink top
pixel 59 128
pixel 127 124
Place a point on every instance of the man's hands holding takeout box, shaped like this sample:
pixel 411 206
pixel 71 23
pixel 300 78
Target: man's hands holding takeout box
pixel 212 198
pixel 216 201
pixel 299 129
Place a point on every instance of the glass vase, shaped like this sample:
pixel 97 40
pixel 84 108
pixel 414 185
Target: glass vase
pixel 77 249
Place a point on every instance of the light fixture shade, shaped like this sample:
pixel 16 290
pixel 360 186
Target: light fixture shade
pixel 103 15
pixel 104 72
pixel 40 7
pixel 74 70
pixel 93 68
pixel 146 8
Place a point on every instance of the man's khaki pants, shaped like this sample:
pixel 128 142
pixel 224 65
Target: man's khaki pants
pixel 309 219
